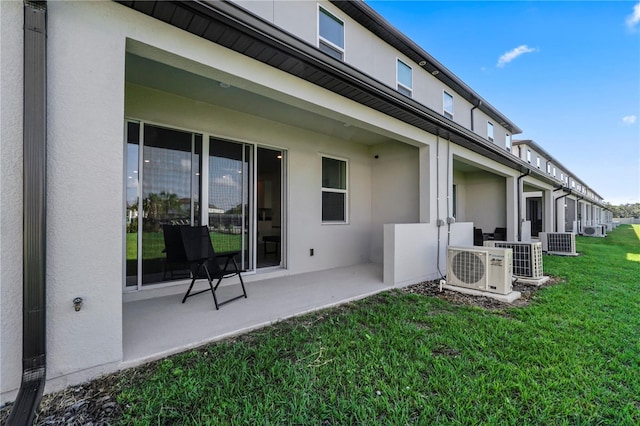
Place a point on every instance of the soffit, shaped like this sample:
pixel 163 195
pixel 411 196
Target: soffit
pixel 156 75
pixel 231 26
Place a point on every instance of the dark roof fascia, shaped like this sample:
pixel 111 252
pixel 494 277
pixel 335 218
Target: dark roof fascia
pixel 306 61
pixel 366 16
pixel 538 148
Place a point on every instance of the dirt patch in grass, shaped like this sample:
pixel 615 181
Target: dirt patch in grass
pixel 94 403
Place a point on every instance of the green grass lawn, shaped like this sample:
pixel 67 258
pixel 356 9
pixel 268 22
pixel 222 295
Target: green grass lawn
pixel 571 357
pixel 153 244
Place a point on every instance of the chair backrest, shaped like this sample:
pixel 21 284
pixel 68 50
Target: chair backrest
pixel 173 245
pixel 500 234
pixel 197 243
pixel 478 237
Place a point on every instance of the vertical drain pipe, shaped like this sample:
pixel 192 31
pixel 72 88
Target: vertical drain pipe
pixel 474 107
pixel 520 203
pixel 34 215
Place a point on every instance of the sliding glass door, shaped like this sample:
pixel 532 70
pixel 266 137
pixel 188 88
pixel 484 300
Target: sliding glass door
pixel 172 173
pixel 230 198
pixel 163 187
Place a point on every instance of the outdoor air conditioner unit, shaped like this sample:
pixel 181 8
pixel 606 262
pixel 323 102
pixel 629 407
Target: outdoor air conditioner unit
pixel 593 231
pixel 482 268
pixel 527 258
pixel 562 243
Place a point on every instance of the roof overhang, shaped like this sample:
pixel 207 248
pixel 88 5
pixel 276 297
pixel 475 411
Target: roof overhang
pixel 233 27
pixel 374 22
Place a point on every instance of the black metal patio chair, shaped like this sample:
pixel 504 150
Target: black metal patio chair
pixel 204 262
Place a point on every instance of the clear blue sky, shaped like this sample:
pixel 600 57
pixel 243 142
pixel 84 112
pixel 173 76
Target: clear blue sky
pixel 569 76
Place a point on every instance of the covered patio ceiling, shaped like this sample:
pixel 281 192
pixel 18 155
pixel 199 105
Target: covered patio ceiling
pixel 156 75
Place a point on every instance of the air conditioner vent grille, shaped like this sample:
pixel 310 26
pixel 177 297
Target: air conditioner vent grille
pixel 468 267
pixel 558 242
pixel 527 257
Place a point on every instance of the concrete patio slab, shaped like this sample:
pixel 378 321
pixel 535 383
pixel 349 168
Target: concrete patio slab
pixel 158 327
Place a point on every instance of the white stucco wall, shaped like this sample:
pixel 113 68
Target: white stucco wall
pixel 85 154
pixel 395 196
pixel 86 91
pixel 87 104
pixel 486 200
pixel 11 70
pixel 368 53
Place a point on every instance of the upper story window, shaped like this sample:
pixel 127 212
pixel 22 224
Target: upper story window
pixel 404 75
pixel 554 172
pixel 538 161
pixel 447 102
pixel 548 168
pixel 334 190
pixel 562 176
pixel 508 142
pixel 490 131
pixel 330 34
pixel 573 183
pixel 529 155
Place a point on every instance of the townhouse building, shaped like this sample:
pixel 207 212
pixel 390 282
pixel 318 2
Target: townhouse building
pixel 308 136
pixel 574 204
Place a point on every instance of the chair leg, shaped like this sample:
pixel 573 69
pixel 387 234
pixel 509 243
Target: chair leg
pixel 195 275
pixel 184 299
pixel 244 291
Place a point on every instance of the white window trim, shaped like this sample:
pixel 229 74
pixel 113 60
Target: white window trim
pixel 334 190
pixel 529 156
pixel 444 111
pixel 398 83
pixel 328 42
pixel 538 161
pixel 508 142
pixel 490 126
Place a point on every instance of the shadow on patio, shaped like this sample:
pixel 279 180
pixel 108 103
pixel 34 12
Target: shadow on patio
pixel 158 327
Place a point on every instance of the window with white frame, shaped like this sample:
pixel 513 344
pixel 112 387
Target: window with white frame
pixel 330 34
pixel 573 183
pixel 508 142
pixel 529 155
pixel 562 176
pixel 554 172
pixel 404 78
pixel 538 161
pixel 548 168
pixel 447 102
pixel 334 190
pixel 490 131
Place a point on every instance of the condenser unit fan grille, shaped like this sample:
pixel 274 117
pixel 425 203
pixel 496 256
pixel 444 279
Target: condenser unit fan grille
pixel 468 267
pixel 589 230
pixel 560 242
pixel 527 258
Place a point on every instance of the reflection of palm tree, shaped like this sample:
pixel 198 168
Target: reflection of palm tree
pixel 160 206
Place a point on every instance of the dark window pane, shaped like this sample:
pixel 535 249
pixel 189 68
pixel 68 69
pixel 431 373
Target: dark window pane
pixel 333 206
pixel 334 173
